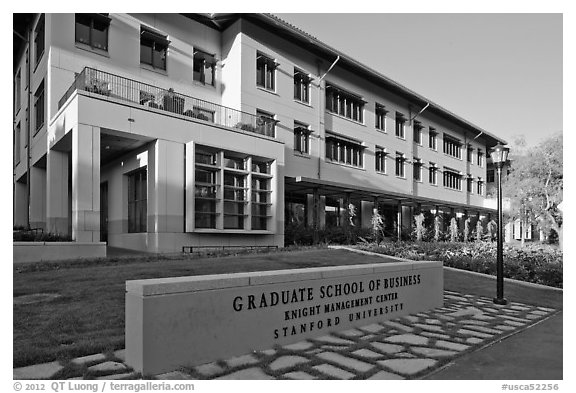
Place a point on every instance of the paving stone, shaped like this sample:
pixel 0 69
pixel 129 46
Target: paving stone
pixel 387 348
pixel 404 355
pixel 125 376
pixel 333 347
pixel 493 310
pixel 287 362
pixel 299 375
pixel 334 340
pixel 243 360
pixel 372 328
pixel 96 358
pixel 423 315
pixel 435 335
pixel 521 308
pixel 531 316
pixel 313 352
pixel 468 311
pixel 299 346
pixel 385 375
pixel 432 352
pixel 268 352
pixel 366 353
pixel 514 323
pixel 474 322
pixel 346 361
pixel 484 329
pixel 538 312
pixel 333 371
pixel 545 309
pixel 352 333
pixel 453 297
pixel 368 337
pixel 474 333
pixel 108 367
pixel 411 339
pixel 510 318
pixel 509 311
pixel 38 371
pixel 446 318
pixel 120 354
pixel 504 327
pixel 209 369
pixel 434 328
pixel 399 326
pixel 412 318
pixel 483 317
pixel 451 345
pixel 174 375
pixel 474 340
pixel 433 322
pixel 253 373
pixel 408 366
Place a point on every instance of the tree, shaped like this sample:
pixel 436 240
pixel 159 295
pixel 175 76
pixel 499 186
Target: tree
pixel 535 184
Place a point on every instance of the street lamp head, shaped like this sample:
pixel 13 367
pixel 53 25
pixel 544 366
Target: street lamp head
pixel 499 154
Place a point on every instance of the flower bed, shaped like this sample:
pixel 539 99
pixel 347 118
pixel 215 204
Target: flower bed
pixel 536 263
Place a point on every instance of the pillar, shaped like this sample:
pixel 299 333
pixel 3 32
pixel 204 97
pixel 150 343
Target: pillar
pixel 315 214
pixel 57 214
pixel 399 221
pixel 37 197
pixel 86 183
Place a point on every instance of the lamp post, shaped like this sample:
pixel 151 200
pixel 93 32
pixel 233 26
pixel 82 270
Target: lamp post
pixel 499 155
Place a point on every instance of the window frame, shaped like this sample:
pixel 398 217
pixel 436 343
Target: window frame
pixel 417 130
pixel 301 85
pixel 137 215
pixel 343 103
pixel 380 156
pixel 269 68
pixel 400 126
pixel 452 179
pixel 452 146
pixel 433 173
pixel 302 134
pixel 480 158
pixel 39 40
pixel 344 152
pixel 400 165
pixel 380 115
pixel 39 102
pixel 417 169
pixel 202 73
pixel 432 138
pixel 267 118
pixel 103 18
pixel 18 91
pixel 156 38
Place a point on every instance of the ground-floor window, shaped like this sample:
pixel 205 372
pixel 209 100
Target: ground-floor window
pixel 137 201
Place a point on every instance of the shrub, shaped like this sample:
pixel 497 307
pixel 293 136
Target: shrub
pixel 39 236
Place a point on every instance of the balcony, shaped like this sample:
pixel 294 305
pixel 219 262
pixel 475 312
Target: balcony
pixel 148 96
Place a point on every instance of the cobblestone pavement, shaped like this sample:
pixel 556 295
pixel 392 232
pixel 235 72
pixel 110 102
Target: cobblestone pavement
pixel 408 347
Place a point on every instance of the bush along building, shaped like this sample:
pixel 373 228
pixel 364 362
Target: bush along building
pixel 158 131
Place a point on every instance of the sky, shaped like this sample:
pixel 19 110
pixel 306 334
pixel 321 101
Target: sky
pixel 501 72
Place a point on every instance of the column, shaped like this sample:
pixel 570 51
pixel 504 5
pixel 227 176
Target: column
pixel 57 214
pixel 399 221
pixel 315 214
pixel 86 183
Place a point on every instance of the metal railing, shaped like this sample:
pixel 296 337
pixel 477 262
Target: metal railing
pixel 110 85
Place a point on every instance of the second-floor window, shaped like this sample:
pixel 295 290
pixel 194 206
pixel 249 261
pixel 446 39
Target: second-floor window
pixel 265 72
pixel 39 107
pixel 480 188
pixel 203 67
pixel 92 30
pixel 380 158
pixel 344 151
pixel 400 124
pixel 39 39
pixel 400 163
pixel 469 183
pixel 301 86
pixel 432 139
pixel 344 103
pixel 433 174
pixel 452 146
pixel 301 138
pixel 452 179
pixel 469 153
pixel 418 132
pixel 380 121
pixel 417 169
pixel 153 48
pixel 480 158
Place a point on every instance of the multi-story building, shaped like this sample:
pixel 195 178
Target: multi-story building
pixel 157 131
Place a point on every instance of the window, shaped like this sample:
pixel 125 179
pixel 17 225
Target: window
pixel 265 72
pixel 344 103
pixel 17 144
pixel 452 179
pixel 206 187
pixel 380 121
pixel 480 188
pixel 39 106
pixel 380 158
pixel 301 137
pixel 301 86
pixel 344 151
pixel 432 139
pixel 400 162
pixel 417 169
pixel 17 91
pixel 433 174
pixel 490 176
pixel 153 48
pixel 469 183
pixel 452 146
pixel 400 123
pixel 418 132
pixel 92 30
pixel 137 201
pixel 480 158
pixel 469 153
pixel 39 39
pixel 265 124
pixel 203 68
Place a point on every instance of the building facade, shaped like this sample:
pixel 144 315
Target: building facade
pixel 158 131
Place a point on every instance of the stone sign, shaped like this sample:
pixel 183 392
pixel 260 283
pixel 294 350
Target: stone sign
pixel 186 321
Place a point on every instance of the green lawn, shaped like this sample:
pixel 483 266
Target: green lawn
pixel 88 316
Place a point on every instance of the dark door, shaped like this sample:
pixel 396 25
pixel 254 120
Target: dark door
pixel 104 212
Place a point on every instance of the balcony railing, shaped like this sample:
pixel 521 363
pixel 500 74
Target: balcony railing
pixel 110 85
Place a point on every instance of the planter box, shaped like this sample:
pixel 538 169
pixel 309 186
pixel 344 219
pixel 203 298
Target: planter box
pixel 186 321
pixel 54 251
